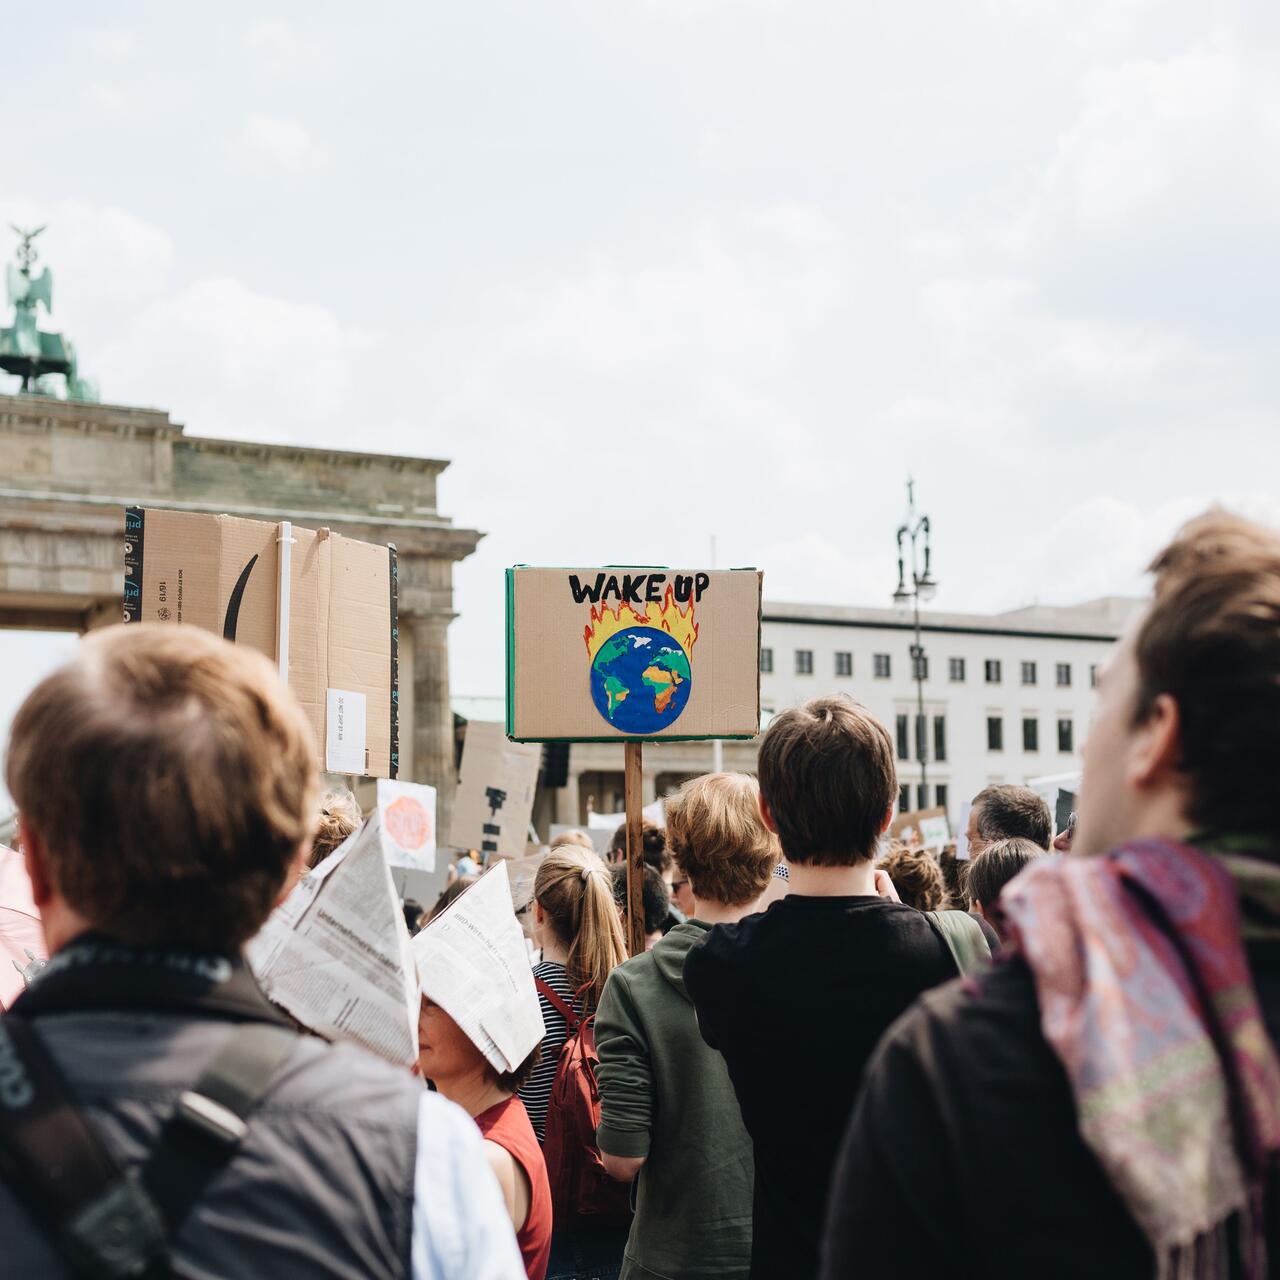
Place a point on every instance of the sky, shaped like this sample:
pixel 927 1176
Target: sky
pixel 657 272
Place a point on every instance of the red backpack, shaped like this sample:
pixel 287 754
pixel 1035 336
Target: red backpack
pixel 580 1188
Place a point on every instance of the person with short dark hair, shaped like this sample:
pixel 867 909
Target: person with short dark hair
pixel 655 896
pixel 991 870
pixel 668 1115
pixel 653 840
pixel 1006 812
pixel 818 977
pixel 1117 1076
pixel 167 792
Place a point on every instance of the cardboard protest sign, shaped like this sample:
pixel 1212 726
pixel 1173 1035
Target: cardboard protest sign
pixel 321 606
pixel 962 832
pixel 1063 809
pixel 610 654
pixel 923 829
pixel 494 801
pixel 407 813
pixel 336 955
pixel 473 962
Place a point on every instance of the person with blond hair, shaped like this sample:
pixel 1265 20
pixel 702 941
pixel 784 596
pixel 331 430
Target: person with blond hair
pixel 669 1116
pixel 340 815
pixel 167 792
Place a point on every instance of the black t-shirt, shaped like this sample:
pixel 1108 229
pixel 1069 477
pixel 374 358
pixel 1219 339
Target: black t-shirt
pixel 796 999
pixel 964 1154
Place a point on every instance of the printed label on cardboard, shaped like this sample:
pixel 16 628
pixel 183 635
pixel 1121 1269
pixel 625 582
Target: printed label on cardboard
pixel 345 732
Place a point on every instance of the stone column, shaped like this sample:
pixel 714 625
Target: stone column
pixel 432 716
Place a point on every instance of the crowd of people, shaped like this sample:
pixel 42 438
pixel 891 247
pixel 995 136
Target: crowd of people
pixel 838 1056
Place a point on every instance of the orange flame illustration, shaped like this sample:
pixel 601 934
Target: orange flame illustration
pixel 667 616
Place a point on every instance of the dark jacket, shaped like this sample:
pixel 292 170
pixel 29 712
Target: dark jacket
pixel 666 1096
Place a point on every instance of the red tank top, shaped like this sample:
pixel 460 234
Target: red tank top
pixel 508 1125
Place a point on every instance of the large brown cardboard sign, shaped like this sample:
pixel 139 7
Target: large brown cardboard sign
pixel 227 575
pixel 494 801
pixel 609 654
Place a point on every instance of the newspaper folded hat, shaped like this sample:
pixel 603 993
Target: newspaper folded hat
pixel 472 962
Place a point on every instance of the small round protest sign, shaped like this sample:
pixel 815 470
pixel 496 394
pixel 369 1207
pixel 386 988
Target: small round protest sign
pixel 408 818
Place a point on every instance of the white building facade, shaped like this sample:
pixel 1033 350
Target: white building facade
pixel 1007 697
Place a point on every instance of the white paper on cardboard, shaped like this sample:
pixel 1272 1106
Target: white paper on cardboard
pixel 407 813
pixel 336 954
pixel 345 739
pixel 473 962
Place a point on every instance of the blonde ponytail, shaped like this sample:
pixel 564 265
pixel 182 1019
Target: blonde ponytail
pixel 573 888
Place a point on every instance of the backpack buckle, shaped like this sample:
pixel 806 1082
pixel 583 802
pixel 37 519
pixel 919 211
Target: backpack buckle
pixel 211 1118
pixel 121 1230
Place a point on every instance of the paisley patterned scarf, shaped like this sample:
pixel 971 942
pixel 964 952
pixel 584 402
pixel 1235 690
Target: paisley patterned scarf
pixel 1146 998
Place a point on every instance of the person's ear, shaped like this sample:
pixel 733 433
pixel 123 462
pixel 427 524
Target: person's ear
pixel 539 915
pixel 888 818
pixel 766 815
pixel 33 856
pixel 1157 744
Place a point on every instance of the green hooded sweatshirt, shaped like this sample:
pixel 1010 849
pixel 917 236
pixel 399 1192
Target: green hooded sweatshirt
pixel 666 1095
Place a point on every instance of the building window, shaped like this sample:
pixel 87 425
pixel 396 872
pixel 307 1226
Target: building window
pixel 940 795
pixel 904 751
pixel 955 668
pixel 920 667
pixel 1030 734
pixel 844 664
pixel 766 661
pixel 804 662
pixel 992 667
pixel 995 733
pixel 922 796
pixel 922 728
pixel 881 666
pixel 1066 736
pixel 1028 673
pixel 1062 675
pixel 904 799
pixel 1093 675
pixel 939 737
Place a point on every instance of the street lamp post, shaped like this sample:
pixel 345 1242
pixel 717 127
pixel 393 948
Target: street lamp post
pixel 916 532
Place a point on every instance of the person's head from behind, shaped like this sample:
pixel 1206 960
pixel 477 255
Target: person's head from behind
pixel 827 782
pixel 574 915
pixel 724 853
pixel 916 875
pixel 340 815
pixel 653 841
pixel 1007 812
pixel 449 894
pixel 166 786
pixel 575 836
pixel 655 896
pixel 991 870
pixel 1184 739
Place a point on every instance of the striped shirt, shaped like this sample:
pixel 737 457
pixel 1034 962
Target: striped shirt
pixel 536 1094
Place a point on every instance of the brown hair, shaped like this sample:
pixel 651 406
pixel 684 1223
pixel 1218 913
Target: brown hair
pixel 653 843
pixel 1211 640
pixel 340 815
pixel 828 776
pixel 995 866
pixel 915 875
pixel 514 1081
pixel 655 897
pixel 450 893
pixel 1007 812
pixel 574 889
pixel 171 779
pixel 718 839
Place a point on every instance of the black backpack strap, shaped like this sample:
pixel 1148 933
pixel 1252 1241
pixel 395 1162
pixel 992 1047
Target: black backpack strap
pixel 103 1221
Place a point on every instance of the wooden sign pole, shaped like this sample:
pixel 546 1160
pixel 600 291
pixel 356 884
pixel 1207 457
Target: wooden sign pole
pixel 633 792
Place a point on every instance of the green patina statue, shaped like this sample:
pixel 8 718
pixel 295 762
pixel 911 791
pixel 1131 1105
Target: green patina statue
pixel 34 354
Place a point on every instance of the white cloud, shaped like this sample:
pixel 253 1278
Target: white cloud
pixel 229 361
pixel 282 143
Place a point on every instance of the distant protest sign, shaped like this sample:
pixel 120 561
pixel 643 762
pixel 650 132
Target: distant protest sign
pixel 336 954
pixel 407 812
pixel 609 654
pixel 923 829
pixel 494 801
pixel 473 962
pixel 321 606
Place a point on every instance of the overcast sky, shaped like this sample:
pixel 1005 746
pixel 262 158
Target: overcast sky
pixel 654 271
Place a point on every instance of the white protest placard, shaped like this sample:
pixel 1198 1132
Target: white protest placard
pixel 962 832
pixel 923 829
pixel 407 813
pixel 473 962
pixel 495 791
pixel 336 955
